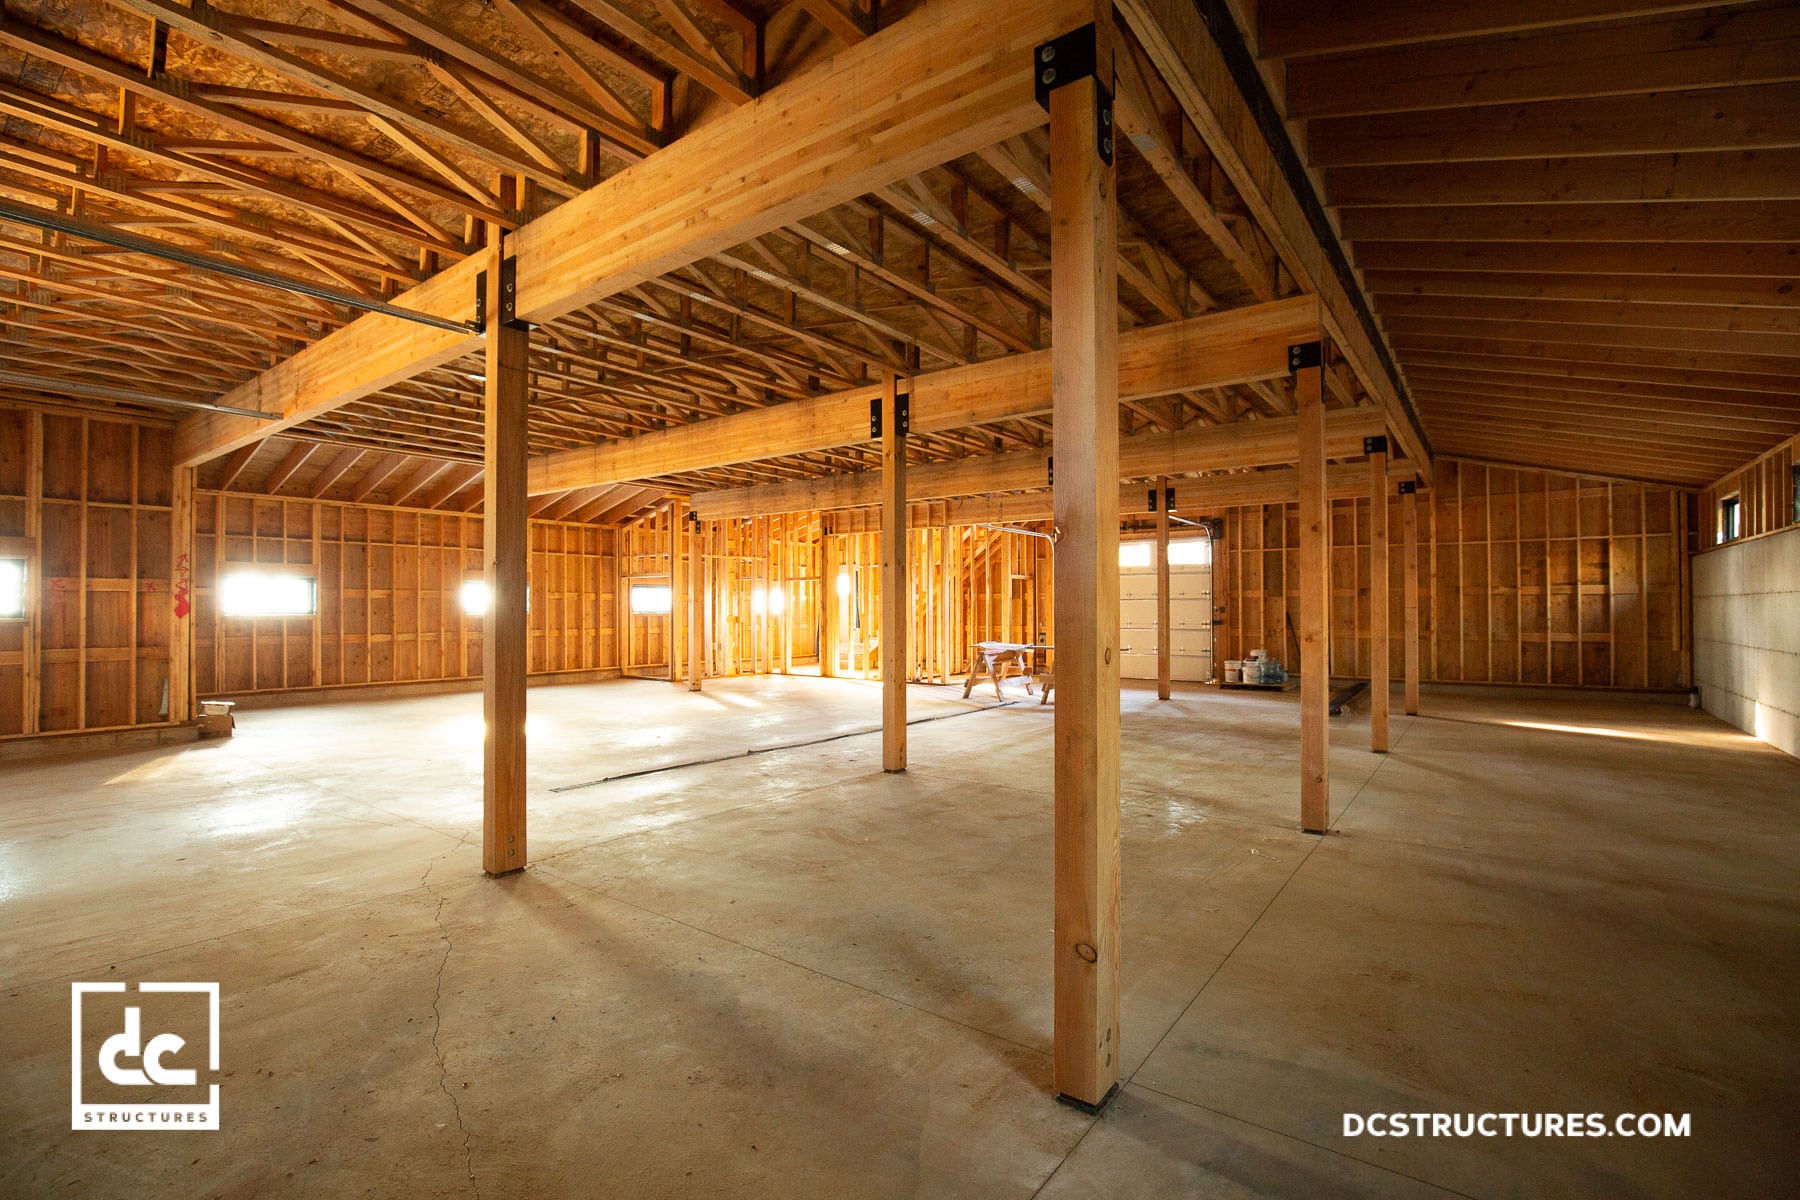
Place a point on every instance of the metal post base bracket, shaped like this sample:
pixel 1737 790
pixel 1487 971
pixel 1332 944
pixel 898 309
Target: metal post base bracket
pixel 1092 1110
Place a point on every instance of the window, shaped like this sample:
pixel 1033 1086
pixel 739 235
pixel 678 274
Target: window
pixel 651 598
pixel 1190 552
pixel 1729 526
pixel 12 587
pixel 1794 472
pixel 1135 554
pixel 474 596
pixel 766 602
pixel 268 594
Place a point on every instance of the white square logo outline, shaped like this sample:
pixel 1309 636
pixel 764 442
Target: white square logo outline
pixel 207 1113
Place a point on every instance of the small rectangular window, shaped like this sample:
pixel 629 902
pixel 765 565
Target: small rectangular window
pixel 651 598
pixel 1729 517
pixel 1190 552
pixel 1794 473
pixel 1135 554
pixel 268 594
pixel 12 587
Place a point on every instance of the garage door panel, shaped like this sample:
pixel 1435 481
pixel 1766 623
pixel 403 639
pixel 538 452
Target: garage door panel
pixel 1137 666
pixel 1138 613
pixel 1194 668
pixel 1188 641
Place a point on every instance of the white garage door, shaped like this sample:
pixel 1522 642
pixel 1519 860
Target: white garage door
pixel 1190 609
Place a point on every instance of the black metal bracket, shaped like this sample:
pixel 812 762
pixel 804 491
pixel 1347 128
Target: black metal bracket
pixel 1375 445
pixel 1069 58
pixel 902 413
pixel 1408 486
pixel 1305 354
pixel 1050 471
pixel 1168 499
pixel 1082 1106
pixel 509 296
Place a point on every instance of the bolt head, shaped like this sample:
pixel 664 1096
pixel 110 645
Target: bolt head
pixel 1049 76
pixel 1046 53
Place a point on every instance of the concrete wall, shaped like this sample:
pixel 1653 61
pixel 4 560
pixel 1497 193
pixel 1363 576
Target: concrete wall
pixel 1747 636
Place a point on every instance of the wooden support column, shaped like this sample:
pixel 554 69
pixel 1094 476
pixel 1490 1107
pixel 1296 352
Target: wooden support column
pixel 181 596
pixel 1162 588
pixel 1379 596
pixel 1411 650
pixel 695 602
pixel 1315 593
pixel 833 603
pixel 1084 367
pixel 896 597
pixel 678 605
pixel 505 638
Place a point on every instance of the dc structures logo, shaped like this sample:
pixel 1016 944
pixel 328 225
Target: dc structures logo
pixel 123 1080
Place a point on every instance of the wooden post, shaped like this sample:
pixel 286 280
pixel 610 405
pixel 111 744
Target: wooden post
pixel 1410 652
pixel 1378 597
pixel 1084 366
pixel 31 699
pixel 1162 588
pixel 1315 595
pixel 896 600
pixel 505 639
pixel 181 596
pixel 695 603
pixel 678 608
pixel 834 603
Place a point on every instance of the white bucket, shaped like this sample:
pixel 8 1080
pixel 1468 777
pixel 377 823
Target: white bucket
pixel 1234 671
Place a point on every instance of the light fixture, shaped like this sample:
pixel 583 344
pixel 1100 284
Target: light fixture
pixel 475 597
pixel 843 583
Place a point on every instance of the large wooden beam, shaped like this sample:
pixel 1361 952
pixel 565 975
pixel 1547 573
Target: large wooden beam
pixel 505 641
pixel 1191 64
pixel 1379 599
pixel 951 77
pixel 1221 349
pixel 1315 604
pixel 1209 448
pixel 1208 495
pixel 896 596
pixel 1084 299
pixel 946 80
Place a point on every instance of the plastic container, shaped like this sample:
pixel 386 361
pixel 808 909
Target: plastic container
pixel 1234 671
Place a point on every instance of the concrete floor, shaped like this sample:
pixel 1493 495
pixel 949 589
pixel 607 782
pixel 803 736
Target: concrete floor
pixel 790 975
